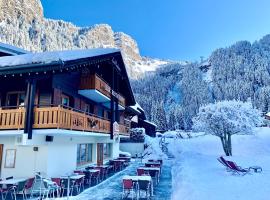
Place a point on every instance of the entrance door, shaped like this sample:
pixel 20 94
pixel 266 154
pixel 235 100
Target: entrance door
pixel 1 156
pixel 99 154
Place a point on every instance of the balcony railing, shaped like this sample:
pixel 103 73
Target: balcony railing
pixel 94 82
pixel 12 118
pixel 56 117
pixel 123 129
pixel 67 118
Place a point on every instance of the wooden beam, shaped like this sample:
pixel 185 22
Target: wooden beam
pixel 29 107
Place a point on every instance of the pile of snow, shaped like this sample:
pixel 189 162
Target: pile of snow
pixel 180 134
pixel 153 150
pixel 198 175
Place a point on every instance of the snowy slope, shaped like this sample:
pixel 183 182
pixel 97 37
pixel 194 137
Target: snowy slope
pixel 198 175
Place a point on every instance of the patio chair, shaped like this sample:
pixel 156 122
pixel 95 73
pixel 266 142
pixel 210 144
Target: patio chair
pixel 224 163
pixel 144 185
pixel 64 186
pixel 96 176
pixel 141 172
pixel 154 175
pixel 87 178
pixel 20 189
pixel 79 185
pixel 129 187
pixel 37 186
pixel 29 185
pixel 49 189
pixel 10 189
pixel 237 169
pixel 57 182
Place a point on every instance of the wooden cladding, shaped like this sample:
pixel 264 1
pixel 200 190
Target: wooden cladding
pixel 57 117
pixel 12 118
pixel 94 82
pixel 63 118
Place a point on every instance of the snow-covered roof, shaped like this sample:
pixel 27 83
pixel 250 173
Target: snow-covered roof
pixel 267 114
pixel 148 122
pixel 12 50
pixel 137 107
pixel 53 56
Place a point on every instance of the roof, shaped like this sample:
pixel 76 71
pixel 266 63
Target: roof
pixel 137 107
pixel 52 57
pixel 267 114
pixel 11 50
pixel 148 122
pixel 59 60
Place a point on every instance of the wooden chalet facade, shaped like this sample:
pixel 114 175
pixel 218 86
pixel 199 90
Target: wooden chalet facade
pixel 70 103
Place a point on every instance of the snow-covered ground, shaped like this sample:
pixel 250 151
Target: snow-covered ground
pixel 197 175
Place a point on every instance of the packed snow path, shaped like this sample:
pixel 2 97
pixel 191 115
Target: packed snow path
pixel 111 189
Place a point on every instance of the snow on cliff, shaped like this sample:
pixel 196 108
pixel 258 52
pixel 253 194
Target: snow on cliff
pixel 22 24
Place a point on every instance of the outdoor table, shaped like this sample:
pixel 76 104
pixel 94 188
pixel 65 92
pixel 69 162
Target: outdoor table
pixel 73 177
pixel 155 169
pixel 156 161
pixel 124 158
pixel 154 164
pixel 141 178
pixel 93 170
pixel 13 181
pixel 118 161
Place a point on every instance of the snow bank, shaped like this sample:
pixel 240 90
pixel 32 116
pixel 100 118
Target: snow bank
pixel 198 175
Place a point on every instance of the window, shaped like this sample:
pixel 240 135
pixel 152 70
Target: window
pixel 107 150
pixel 15 99
pixel 89 108
pixel 100 112
pixel 65 100
pixel 84 154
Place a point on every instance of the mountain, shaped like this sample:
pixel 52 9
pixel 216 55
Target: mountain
pixel 173 94
pixel 22 23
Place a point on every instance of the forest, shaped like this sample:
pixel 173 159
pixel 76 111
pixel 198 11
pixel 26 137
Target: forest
pixel 173 94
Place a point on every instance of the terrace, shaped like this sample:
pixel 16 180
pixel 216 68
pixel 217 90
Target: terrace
pixel 56 117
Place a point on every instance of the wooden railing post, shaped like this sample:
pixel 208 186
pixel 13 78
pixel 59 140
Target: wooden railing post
pixel 58 117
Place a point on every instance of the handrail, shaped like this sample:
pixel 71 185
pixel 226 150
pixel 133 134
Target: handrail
pixel 59 117
pixel 70 108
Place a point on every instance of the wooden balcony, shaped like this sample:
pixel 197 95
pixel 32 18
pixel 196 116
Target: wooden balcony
pixel 123 129
pixel 94 82
pixel 53 117
pixel 12 118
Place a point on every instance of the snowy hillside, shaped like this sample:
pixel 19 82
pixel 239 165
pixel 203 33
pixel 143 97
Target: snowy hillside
pixel 22 24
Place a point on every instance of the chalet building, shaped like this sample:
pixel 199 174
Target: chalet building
pixel 139 120
pixel 61 111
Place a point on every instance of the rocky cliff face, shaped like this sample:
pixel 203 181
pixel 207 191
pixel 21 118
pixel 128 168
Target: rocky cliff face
pixel 22 24
pixel 29 9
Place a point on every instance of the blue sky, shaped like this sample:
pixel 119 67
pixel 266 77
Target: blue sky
pixel 171 29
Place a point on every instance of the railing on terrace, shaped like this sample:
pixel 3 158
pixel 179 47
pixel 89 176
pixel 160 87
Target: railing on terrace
pixel 95 82
pixel 68 118
pixel 123 129
pixel 12 118
pixel 59 117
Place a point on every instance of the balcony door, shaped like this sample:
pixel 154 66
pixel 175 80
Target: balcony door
pixel 15 99
pixel 1 156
